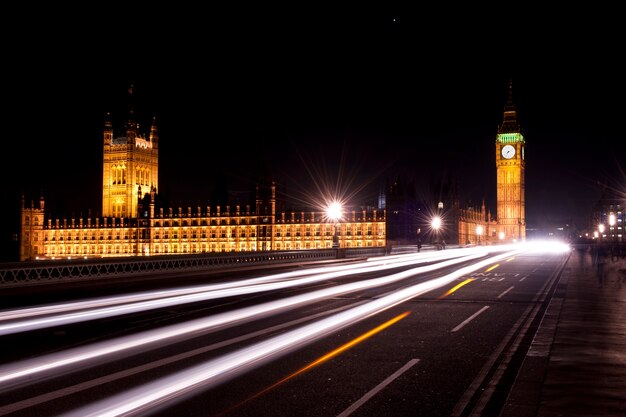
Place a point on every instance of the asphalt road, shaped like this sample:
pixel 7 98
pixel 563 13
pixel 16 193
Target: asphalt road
pixel 407 337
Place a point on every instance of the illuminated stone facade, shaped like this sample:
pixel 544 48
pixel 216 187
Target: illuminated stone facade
pixel 194 230
pixel 460 225
pixel 510 168
pixel 130 168
pixel 476 226
pixel 608 217
pixel 133 225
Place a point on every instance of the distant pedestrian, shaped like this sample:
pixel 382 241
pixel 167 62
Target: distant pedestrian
pixel 600 260
pixel 582 254
pixel 615 253
pixel 621 276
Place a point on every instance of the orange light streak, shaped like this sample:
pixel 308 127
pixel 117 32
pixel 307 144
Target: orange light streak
pixel 456 287
pixel 326 357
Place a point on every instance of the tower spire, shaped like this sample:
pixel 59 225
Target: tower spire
pixel 154 133
pixel 108 129
pixel 131 124
pixel 131 109
pixel 509 120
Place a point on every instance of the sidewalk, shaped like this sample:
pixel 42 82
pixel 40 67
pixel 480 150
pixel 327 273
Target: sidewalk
pixel 576 365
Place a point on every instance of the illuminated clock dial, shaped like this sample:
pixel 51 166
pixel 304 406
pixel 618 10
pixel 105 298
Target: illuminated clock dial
pixel 508 151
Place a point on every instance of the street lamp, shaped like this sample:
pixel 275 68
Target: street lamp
pixel 601 230
pixel 436 225
pixel 612 224
pixel 479 232
pixel 334 212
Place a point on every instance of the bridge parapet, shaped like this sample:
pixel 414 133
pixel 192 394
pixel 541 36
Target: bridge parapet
pixel 38 272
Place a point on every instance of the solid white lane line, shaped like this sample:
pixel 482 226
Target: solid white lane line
pixel 377 388
pixel 505 291
pixel 470 318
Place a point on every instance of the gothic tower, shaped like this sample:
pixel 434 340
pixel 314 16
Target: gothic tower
pixel 32 230
pixel 130 167
pixel 510 166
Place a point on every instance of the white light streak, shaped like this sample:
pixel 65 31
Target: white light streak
pixel 69 313
pixel 218 370
pixel 29 368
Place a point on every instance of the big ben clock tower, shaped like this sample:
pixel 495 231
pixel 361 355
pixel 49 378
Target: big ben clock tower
pixel 510 166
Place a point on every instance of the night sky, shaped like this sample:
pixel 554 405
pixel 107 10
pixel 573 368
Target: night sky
pixel 331 99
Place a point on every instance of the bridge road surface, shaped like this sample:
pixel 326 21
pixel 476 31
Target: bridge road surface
pixel 452 350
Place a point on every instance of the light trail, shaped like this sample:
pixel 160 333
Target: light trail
pixel 11 373
pixel 150 295
pixel 115 306
pixel 453 289
pixel 175 387
pixel 324 358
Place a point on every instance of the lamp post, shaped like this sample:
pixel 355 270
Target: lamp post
pixel 612 226
pixel 479 232
pixel 334 214
pixel 436 225
pixel 601 230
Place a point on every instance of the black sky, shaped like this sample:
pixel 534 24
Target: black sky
pixel 351 97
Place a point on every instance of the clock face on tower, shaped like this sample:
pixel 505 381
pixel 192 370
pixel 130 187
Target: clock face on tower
pixel 508 151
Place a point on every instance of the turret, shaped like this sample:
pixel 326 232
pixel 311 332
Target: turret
pixel 132 126
pixel 154 134
pixel 108 130
pixel 152 201
pixel 31 230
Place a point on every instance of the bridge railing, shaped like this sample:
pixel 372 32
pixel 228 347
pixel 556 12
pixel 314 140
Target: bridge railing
pixel 45 271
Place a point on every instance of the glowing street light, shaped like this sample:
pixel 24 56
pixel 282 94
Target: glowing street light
pixel 436 225
pixel 612 230
pixel 601 229
pixel 479 232
pixel 334 212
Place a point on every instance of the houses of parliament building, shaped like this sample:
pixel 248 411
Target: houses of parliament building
pixel 133 223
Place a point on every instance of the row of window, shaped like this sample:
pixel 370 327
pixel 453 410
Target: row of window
pixel 222 232
pixel 184 248
pixel 203 235
pixel 120 209
pixel 27 221
pixel 118 175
